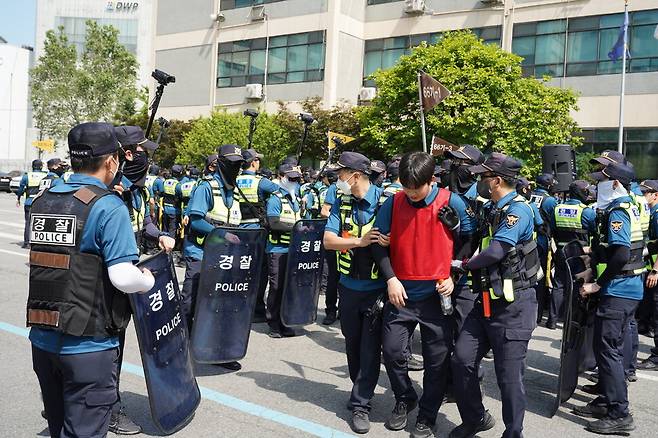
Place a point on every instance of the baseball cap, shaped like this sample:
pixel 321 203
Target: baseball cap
pixel 231 152
pixel 133 135
pixel 500 164
pixel 92 139
pixel 467 152
pixel 615 171
pixel 354 161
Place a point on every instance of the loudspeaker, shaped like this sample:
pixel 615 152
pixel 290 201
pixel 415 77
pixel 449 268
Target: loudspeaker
pixel 560 160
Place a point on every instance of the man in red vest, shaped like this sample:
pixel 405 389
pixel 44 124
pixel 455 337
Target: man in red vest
pixel 420 222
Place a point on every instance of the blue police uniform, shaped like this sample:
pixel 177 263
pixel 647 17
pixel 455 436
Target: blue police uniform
pixel 74 369
pixel 545 205
pixel 357 295
pixel 423 308
pixel 653 293
pixel 29 186
pixel 331 290
pixel 507 331
pixel 618 302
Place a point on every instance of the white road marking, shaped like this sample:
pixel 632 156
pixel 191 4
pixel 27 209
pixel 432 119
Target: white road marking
pixel 22 254
pixel 12 224
pixel 11 236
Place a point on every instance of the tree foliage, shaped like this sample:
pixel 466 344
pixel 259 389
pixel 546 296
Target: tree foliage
pixel 492 105
pixel 98 85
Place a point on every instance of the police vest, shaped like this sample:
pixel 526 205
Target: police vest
pixel 652 245
pixel 569 225
pixel 288 216
pixel 389 191
pixel 186 191
pixel 319 195
pixel 635 264
pixel 33 183
pixel 137 215
pixel 47 182
pixel 357 263
pixel 170 197
pixel 248 185
pixel 150 179
pixel 220 215
pixel 70 291
pixel 645 212
pixel 520 267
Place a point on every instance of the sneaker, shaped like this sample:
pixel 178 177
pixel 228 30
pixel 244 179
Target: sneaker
pixel 360 422
pixel 233 366
pixel 465 430
pixel 422 429
pixel 414 364
pixel 398 419
pixel 121 424
pixel 612 426
pixel 591 410
pixel 329 319
pixel 647 365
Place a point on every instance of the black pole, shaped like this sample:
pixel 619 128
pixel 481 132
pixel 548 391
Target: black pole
pixel 252 129
pixel 154 107
pixel 303 142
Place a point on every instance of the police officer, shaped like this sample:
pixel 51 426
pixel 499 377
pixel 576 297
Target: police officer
pixel 618 253
pixel 572 221
pixel 377 172
pixel 504 316
pixel 393 176
pixel 650 190
pixel 29 186
pixel 56 169
pixel 350 231
pixel 330 256
pixel 283 210
pixel 74 335
pixel 545 203
pixel 172 198
pixel 425 215
pixel 134 151
pixel 253 191
pixel 212 204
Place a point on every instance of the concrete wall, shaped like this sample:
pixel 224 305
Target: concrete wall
pixel 285 9
pixel 14 65
pixel 350 67
pixel 193 70
pixel 176 16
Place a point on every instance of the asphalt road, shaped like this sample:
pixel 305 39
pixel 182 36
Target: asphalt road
pixel 287 387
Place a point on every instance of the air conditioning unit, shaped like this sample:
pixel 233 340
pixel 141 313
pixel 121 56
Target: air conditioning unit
pixel 257 13
pixel 367 94
pixel 254 91
pixel 493 2
pixel 414 7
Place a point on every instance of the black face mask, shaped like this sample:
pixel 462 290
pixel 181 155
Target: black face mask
pixel 460 179
pixel 59 171
pixel 136 169
pixel 483 189
pixel 229 171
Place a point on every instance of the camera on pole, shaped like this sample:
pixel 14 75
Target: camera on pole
pixel 253 114
pixel 307 119
pixel 163 80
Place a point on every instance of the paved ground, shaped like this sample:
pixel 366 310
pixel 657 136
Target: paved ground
pixel 288 387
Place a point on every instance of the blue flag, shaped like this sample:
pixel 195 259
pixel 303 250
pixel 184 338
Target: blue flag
pixel 618 49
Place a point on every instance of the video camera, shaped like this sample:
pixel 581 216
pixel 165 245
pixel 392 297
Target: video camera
pixel 251 113
pixel 306 118
pixel 162 77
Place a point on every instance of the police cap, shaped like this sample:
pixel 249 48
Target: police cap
pixel 230 152
pixel 609 156
pixel 579 189
pixel 377 166
pixel 290 170
pixel 649 186
pixel 133 135
pixel 250 155
pixel 92 139
pixel 545 180
pixel 354 161
pixel 467 152
pixel 500 164
pixel 176 170
pixel 615 171
pixel 37 164
pixel 53 162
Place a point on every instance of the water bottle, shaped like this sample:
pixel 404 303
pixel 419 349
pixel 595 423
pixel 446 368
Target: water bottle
pixel 446 303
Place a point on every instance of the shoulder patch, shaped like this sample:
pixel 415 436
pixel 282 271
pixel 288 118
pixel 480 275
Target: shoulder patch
pixel 512 220
pixel 616 226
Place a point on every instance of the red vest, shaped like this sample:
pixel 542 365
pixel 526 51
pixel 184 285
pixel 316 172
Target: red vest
pixel 421 245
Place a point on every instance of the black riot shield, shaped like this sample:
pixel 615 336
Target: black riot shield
pixel 576 351
pixel 299 303
pixel 163 342
pixel 228 289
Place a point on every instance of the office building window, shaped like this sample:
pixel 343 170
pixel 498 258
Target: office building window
pixel 640 146
pixel 75 29
pixel 385 52
pixel 381 2
pixel 292 58
pixel 225 5
pixel 580 46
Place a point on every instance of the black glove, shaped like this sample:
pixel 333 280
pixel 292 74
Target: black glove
pixel 449 217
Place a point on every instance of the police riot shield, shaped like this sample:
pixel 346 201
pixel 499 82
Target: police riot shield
pixel 228 289
pixel 163 342
pixel 299 302
pixel 576 351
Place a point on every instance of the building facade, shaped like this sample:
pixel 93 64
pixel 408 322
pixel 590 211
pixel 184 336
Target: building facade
pixel 236 54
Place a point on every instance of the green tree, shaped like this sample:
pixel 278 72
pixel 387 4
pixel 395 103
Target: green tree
pixel 100 85
pixel 208 133
pixel 492 105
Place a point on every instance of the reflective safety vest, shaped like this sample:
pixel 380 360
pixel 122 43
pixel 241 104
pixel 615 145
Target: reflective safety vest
pixel 220 214
pixel 47 182
pixel 186 191
pixel 150 179
pixel 138 215
pixel 288 216
pixel 248 185
pixel 635 264
pixel 652 247
pixel 170 197
pixel 319 195
pixel 645 212
pixel 389 191
pixel 357 263
pixel 33 182
pixel 569 225
pixel 520 267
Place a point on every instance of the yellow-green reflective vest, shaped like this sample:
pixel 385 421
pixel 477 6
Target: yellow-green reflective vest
pixel 219 214
pixel 288 216
pixel 33 182
pixel 169 197
pixel 248 185
pixel 568 223
pixel 645 212
pixel 139 215
pixel 186 191
pixel 150 179
pixel 356 262
pixel 389 191
pixel 635 264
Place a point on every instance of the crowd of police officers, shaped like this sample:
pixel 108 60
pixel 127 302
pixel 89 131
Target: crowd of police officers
pixel 466 250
